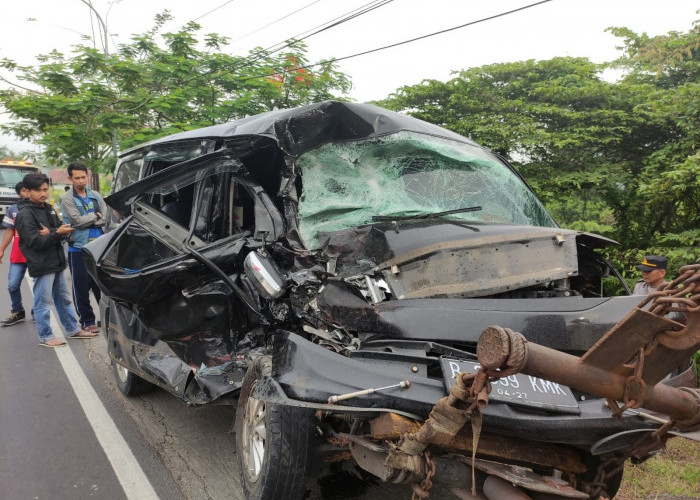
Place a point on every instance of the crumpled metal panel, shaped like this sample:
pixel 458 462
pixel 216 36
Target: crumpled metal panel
pixel 197 368
pixel 482 265
pixel 298 129
pixel 571 324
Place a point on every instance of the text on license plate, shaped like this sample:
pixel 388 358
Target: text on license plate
pixel 517 389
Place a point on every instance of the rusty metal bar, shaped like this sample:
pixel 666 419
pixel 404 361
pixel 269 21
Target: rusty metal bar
pixel 569 370
pixel 627 363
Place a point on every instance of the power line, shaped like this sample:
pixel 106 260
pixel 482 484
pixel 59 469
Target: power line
pixel 309 66
pixel 441 31
pixel 364 9
pixel 275 21
pixel 484 19
pixel 212 10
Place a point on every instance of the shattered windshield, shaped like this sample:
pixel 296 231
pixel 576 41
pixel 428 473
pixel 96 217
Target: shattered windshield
pixel 403 174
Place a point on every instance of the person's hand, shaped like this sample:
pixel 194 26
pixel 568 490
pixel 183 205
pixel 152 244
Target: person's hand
pixel 44 230
pixel 98 214
pixel 2 253
pixel 65 229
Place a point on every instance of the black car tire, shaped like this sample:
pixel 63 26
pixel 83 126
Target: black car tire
pixel 273 442
pixel 128 383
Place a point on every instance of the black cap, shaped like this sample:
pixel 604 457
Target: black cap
pixel 652 262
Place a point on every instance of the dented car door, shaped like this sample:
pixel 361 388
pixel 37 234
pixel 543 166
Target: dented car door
pixel 174 259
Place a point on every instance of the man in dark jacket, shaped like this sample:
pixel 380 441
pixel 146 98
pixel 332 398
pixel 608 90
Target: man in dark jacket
pixel 41 241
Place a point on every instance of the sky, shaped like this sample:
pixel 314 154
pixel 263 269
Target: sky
pixel 573 28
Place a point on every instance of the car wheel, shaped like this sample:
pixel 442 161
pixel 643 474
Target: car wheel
pixel 273 442
pixel 128 383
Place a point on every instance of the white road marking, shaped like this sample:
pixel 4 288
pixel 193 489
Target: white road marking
pixel 133 481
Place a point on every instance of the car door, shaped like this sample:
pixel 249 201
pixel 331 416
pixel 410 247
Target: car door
pixel 174 260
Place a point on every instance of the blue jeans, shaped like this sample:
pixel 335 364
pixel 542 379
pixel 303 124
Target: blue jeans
pixel 53 286
pixel 14 284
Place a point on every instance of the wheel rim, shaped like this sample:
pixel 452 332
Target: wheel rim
pixel 122 372
pixel 254 436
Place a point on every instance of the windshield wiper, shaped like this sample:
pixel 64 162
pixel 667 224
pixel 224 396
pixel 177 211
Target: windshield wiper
pixel 377 218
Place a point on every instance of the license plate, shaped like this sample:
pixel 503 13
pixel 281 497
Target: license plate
pixel 518 389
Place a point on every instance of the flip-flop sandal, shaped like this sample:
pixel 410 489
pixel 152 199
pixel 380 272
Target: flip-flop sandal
pixel 83 334
pixel 52 343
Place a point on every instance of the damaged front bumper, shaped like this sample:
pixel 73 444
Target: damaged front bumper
pixel 307 375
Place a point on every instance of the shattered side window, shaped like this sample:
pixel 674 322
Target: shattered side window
pixel 176 198
pixel 164 155
pixel 345 184
pixel 134 250
pixel 128 173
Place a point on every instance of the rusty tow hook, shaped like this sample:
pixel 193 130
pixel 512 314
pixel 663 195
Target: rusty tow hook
pixel 449 415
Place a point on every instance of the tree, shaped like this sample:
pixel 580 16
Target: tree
pixel 664 191
pixel 153 86
pixel 6 152
pixel 614 158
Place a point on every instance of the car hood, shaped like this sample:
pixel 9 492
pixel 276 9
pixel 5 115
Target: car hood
pixel 525 250
pixel 448 280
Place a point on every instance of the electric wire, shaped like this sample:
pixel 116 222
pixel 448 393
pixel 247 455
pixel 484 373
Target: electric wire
pixel 275 21
pixel 422 37
pixel 272 49
pixel 212 10
pixel 248 61
pixel 471 23
pixel 343 18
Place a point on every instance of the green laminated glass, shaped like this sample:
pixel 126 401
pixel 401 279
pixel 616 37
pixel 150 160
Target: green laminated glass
pixel 403 174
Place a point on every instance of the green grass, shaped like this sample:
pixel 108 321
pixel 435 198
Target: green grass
pixel 673 472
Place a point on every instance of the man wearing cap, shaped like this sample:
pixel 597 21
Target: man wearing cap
pixel 653 269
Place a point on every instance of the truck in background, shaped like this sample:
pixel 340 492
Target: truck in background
pixel 12 172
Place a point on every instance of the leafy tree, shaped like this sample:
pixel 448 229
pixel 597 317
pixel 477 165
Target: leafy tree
pixel 6 152
pixel 620 159
pixel 664 191
pixel 153 86
pixel 34 156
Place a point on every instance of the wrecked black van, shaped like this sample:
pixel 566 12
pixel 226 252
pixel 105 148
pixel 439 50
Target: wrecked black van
pixel 329 269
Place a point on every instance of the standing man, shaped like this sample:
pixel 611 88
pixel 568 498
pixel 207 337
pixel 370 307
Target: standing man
pixel 41 238
pixel 653 269
pixel 18 264
pixel 82 208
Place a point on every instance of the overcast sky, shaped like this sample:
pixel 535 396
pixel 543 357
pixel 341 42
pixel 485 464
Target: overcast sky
pixel 556 28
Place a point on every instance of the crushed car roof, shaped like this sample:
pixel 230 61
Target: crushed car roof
pixel 299 129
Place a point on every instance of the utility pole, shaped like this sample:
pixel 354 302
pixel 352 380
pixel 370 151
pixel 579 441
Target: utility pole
pixel 105 48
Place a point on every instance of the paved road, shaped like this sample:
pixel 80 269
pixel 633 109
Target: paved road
pixel 48 447
pixel 62 420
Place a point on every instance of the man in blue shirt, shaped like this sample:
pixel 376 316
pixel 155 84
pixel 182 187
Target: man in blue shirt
pixel 83 209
